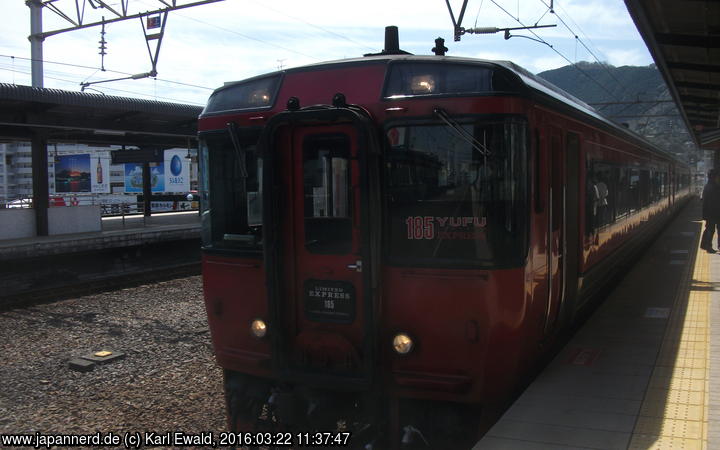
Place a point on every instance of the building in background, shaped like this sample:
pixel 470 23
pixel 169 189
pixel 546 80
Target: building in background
pixel 15 171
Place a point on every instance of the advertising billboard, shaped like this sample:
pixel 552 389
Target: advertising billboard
pixel 172 175
pixel 72 174
pixel 100 172
pixel 134 178
pixel 82 173
pixel 177 171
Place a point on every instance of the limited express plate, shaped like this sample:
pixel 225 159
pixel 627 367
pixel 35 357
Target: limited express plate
pixel 329 301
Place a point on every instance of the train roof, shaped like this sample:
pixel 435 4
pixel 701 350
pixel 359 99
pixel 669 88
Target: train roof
pixel 536 87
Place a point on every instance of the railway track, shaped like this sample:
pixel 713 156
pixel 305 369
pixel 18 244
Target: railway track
pixel 109 282
pixel 168 380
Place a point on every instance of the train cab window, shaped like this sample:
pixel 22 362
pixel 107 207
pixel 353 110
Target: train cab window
pixel 423 79
pixel 231 192
pixel 249 95
pixel 326 180
pixel 457 195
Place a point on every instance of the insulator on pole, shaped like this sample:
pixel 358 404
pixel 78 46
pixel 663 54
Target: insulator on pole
pixel 103 46
pixel 482 30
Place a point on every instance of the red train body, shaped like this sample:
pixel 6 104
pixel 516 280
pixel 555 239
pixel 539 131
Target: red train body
pixel 462 209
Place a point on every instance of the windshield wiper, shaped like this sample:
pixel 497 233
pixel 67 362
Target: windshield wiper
pixel 239 151
pixel 461 133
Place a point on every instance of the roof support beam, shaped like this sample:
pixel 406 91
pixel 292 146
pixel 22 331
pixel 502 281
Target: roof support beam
pixel 700 99
pixel 691 66
pixel 709 123
pixel 688 40
pixel 701 109
pixel 703 116
pixel 693 85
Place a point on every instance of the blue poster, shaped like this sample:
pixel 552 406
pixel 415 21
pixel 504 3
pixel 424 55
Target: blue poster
pixel 134 179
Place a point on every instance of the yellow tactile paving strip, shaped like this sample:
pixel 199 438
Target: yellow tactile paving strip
pixel 674 413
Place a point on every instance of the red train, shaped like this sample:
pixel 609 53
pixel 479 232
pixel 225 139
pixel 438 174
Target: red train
pixel 391 242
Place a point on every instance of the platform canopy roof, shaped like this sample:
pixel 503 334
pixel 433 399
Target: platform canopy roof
pixel 80 117
pixel 683 37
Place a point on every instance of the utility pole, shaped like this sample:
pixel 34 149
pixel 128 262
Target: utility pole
pixel 78 21
pixel 36 41
pixel 37 36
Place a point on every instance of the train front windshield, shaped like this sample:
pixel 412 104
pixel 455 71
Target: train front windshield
pixel 231 191
pixel 456 194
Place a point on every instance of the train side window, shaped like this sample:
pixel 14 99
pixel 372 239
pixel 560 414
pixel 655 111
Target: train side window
pixel 654 186
pixel 633 190
pixel 601 201
pixel 663 185
pixel 326 180
pixel 644 188
pixel 623 192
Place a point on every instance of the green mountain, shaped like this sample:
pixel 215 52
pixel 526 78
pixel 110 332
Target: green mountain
pixel 636 96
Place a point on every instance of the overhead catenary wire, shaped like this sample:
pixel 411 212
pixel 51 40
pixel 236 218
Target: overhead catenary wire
pixel 478 13
pixel 341 36
pixel 110 89
pixel 587 38
pixel 606 67
pixel 543 41
pixel 80 66
pixel 252 38
pixel 577 39
pixel 84 77
pixel 233 31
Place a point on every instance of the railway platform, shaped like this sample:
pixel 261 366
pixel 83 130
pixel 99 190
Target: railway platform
pixel 129 246
pixel 117 231
pixel 644 371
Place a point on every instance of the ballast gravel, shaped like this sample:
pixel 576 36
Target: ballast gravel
pixel 168 380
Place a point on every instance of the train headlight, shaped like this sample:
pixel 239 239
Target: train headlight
pixel 402 344
pixel 258 328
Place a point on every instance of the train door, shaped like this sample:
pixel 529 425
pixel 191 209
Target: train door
pixel 572 225
pixel 555 235
pixel 562 235
pixel 320 254
pixel 324 216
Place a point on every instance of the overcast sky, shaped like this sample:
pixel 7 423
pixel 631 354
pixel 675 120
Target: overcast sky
pixel 208 45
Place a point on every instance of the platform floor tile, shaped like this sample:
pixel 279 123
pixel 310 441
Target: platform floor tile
pixel 674 413
pixel 559 435
pixel 653 380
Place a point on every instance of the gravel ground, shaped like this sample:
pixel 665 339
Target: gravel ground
pixel 168 380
